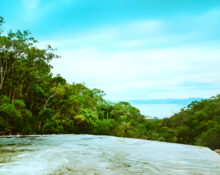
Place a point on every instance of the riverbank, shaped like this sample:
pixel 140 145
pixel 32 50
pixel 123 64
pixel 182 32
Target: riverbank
pixel 45 135
pixel 217 151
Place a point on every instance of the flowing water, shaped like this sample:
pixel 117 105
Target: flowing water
pixel 104 155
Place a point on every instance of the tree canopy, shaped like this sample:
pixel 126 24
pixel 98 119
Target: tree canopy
pixel 34 101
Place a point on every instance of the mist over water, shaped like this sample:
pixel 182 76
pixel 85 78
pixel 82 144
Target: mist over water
pixel 162 108
pixel 88 154
pixel 159 110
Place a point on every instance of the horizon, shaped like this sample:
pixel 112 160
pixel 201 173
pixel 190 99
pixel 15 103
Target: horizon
pixel 131 50
pixel 165 100
pixel 106 84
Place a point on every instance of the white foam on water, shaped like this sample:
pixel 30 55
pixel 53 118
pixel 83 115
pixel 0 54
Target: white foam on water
pixel 88 154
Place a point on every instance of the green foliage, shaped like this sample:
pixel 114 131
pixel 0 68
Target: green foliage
pixel 51 126
pixel 104 127
pixel 79 119
pixel 33 101
pixel 210 138
pixel 197 124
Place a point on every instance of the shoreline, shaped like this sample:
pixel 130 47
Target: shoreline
pixel 37 135
pixel 217 151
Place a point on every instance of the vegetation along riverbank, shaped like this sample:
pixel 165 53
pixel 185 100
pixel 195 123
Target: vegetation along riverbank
pixel 34 101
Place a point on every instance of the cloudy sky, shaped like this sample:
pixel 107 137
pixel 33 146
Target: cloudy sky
pixel 131 49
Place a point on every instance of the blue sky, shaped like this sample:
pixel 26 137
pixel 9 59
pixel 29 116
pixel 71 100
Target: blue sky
pixel 131 49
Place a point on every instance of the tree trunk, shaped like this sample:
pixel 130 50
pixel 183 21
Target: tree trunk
pixel 4 132
pixel 47 101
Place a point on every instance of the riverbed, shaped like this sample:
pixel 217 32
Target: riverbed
pixel 102 155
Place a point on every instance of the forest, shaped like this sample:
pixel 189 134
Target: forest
pixel 34 101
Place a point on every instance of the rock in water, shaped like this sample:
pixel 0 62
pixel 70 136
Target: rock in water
pixel 217 151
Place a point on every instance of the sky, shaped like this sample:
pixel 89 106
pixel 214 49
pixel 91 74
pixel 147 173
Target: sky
pixel 131 49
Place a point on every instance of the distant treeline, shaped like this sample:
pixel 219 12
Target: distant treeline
pixel 33 101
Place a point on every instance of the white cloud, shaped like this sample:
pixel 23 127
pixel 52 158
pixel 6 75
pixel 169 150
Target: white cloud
pixel 143 74
pixel 31 4
pixel 124 36
pixel 144 59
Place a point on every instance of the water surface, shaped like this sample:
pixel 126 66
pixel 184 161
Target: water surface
pixel 159 110
pixel 88 154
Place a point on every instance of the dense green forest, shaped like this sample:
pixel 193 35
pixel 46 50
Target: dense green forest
pixel 34 101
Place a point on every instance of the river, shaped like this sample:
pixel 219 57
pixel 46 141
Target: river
pixel 102 155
